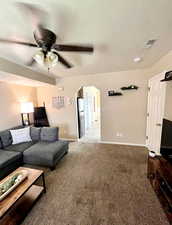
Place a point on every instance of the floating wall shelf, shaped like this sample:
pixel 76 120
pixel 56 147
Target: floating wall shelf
pixel 131 87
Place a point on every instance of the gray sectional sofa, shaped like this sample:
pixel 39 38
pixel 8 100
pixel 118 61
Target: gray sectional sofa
pixel 40 151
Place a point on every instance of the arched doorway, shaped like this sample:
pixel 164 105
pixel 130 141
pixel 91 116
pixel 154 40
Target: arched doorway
pixel 88 108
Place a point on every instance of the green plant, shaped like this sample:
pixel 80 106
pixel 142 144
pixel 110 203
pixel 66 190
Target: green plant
pixel 8 184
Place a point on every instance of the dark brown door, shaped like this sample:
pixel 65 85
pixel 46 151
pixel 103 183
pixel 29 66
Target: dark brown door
pixel 81 117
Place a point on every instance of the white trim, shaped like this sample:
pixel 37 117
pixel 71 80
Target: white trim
pixel 122 143
pixel 104 142
pixel 153 142
pixel 68 139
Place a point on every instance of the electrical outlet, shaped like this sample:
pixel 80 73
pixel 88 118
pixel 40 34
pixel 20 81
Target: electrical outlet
pixel 118 134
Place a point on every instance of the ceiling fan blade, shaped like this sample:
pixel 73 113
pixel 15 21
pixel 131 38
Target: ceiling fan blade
pixel 17 42
pixel 39 34
pixel 63 61
pixel 36 15
pixel 74 48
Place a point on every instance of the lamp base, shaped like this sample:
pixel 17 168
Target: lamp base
pixel 25 119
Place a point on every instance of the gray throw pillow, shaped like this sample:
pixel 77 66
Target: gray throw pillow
pixel 49 133
pixel 6 138
pixel 35 133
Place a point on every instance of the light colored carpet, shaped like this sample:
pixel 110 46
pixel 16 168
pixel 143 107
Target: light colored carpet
pixel 99 184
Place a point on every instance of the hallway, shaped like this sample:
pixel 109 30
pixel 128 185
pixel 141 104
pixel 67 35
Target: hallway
pixel 92 134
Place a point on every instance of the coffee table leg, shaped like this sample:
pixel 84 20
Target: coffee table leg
pixel 43 182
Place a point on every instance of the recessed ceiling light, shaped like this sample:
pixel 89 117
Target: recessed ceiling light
pixel 137 59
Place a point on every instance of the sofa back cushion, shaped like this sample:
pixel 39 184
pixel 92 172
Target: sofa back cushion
pixel 6 138
pixel 49 133
pixel 1 144
pixel 35 133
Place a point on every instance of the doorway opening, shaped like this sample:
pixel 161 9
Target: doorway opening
pixel 88 108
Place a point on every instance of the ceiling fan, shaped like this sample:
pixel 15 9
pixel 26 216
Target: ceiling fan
pixel 45 40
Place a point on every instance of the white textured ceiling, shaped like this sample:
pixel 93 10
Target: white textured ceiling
pixel 117 29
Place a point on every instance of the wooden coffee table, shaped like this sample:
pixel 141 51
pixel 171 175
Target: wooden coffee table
pixel 14 208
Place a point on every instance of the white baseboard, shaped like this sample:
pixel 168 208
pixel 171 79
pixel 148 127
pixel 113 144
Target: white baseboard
pixel 105 142
pixel 121 143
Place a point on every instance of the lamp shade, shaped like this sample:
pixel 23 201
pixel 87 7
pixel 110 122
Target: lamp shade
pixel 39 57
pixel 27 107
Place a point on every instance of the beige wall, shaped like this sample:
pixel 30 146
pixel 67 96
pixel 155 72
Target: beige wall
pixel 10 97
pixel 164 64
pixel 125 114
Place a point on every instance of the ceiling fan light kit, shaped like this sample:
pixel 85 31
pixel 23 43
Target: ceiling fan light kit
pixel 49 60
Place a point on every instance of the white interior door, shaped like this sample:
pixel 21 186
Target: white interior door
pixel 155 112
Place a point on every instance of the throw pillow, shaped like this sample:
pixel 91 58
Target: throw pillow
pixel 6 138
pixel 20 135
pixel 49 134
pixel 35 133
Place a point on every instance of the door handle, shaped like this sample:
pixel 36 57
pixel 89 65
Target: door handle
pixel 159 124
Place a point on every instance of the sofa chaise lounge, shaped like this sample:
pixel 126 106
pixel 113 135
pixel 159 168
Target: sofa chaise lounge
pixel 36 152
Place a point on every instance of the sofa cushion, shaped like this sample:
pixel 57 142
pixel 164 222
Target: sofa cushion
pixel 45 153
pixel 35 133
pixel 7 158
pixel 20 147
pixel 49 134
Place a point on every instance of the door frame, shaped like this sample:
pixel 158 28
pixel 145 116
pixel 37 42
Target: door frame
pixel 78 118
pixel 157 78
pixel 77 110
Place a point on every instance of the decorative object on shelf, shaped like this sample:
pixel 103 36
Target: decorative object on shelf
pixel 168 76
pixel 152 154
pixel 11 183
pixel 113 93
pixel 26 108
pixel 131 87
